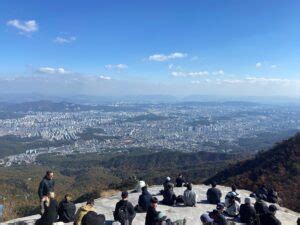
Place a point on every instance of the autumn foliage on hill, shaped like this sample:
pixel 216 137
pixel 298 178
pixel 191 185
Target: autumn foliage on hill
pixel 278 168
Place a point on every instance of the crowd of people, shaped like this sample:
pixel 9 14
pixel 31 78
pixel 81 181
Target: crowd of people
pixel 229 210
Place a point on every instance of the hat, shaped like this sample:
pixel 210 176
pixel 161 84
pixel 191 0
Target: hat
pixel 220 206
pixel 273 208
pixel 247 200
pixel 205 218
pixel 168 178
pixel 161 216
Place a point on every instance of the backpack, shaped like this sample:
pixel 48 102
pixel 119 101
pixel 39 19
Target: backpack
pixel 123 215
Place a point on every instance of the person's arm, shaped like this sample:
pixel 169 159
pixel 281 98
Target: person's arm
pixel 41 188
pixel 116 210
pixel 131 210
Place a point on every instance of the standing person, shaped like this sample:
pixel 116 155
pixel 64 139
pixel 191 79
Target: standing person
pixel 50 210
pixel 46 185
pixel 83 210
pixel 189 196
pixel 213 194
pixel 269 218
pixel 144 200
pixel 66 209
pixel 124 211
pixel 179 181
pixel 152 214
pixel 247 212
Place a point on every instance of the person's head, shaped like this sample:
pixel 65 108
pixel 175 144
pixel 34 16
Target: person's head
pixel 68 198
pixel 168 179
pixel 220 207
pixel 49 175
pixel 273 209
pixel 51 195
pixel 90 202
pixel 213 184
pixel 205 219
pixel 189 186
pixel 180 175
pixel 144 188
pixel 154 202
pixel 233 187
pixel 124 195
pixel 248 201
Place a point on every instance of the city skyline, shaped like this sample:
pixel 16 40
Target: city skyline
pixel 231 48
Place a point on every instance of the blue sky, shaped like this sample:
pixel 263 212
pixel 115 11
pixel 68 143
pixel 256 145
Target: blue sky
pixel 222 47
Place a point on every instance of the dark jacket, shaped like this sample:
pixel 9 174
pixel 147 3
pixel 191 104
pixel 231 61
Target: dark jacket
pixel 151 216
pixel 179 182
pixel 45 187
pixel 169 197
pixel 91 218
pixel 50 214
pixel 247 213
pixel 66 211
pixel 269 219
pixel 220 220
pixel 261 207
pixel 213 195
pixel 129 208
pixel 144 200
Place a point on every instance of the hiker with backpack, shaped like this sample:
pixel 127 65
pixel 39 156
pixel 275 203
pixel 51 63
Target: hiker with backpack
pixel 124 211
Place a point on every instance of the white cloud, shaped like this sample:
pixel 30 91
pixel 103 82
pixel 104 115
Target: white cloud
pixel 50 70
pixel 116 66
pixel 273 66
pixel 24 26
pixel 65 40
pixel 105 78
pixel 189 74
pixel 162 57
pixel 219 72
pixel 258 64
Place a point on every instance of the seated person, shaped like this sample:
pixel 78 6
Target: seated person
pixel 262 192
pixel 218 218
pixel 66 209
pixel 124 211
pixel 84 210
pixel 152 214
pixel 140 184
pixel 269 217
pixel 50 210
pixel 232 193
pixel 247 212
pixel 169 197
pixel 92 218
pixel 260 206
pixel 220 207
pixel 144 200
pixel 179 181
pixel 233 209
pixel 272 196
pixel 206 220
pixel 189 196
pixel 167 183
pixel 213 194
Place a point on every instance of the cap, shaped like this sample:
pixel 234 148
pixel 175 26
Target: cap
pixel 247 200
pixel 168 178
pixel 220 206
pixel 205 218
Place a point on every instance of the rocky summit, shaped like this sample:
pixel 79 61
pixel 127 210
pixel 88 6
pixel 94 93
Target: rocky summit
pixel 106 206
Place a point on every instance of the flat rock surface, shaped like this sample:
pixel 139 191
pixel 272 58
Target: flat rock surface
pixel 192 214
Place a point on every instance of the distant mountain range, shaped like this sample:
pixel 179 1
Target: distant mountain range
pixel 278 167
